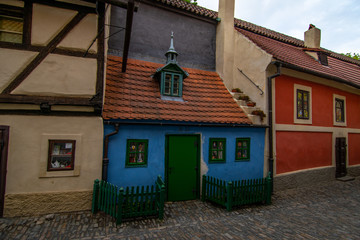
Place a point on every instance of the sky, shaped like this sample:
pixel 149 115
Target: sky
pixel 339 20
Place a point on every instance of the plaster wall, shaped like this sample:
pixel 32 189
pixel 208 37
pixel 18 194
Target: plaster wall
pixel 28 153
pixel 253 62
pixel 231 170
pixel 194 39
pixel 12 62
pixel 48 21
pixel 61 75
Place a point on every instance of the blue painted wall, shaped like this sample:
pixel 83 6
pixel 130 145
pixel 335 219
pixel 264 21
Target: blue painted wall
pixel 230 170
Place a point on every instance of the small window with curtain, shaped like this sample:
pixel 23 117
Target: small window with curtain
pixel 11 23
pixel 303 104
pixel 242 149
pixel 217 150
pixel 136 152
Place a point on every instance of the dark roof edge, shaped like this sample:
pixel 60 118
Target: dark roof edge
pixel 318 74
pixel 174 123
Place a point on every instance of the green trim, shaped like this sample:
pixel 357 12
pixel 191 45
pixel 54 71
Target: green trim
pixel 138 156
pixel 215 151
pixel 173 88
pixel 242 149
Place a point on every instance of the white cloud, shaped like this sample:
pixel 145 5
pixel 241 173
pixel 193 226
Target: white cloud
pixel 339 21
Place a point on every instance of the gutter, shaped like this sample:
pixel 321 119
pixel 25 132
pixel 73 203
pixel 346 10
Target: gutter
pixel 323 75
pixel 271 127
pixel 106 148
pixel 191 124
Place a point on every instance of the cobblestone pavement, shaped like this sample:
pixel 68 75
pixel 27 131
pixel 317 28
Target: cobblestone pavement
pixel 324 211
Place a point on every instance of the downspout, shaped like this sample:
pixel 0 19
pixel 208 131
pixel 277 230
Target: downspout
pixel 270 114
pixel 105 158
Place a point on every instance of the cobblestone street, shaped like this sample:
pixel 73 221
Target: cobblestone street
pixel 324 211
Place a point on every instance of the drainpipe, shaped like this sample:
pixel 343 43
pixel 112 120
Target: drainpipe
pixel 105 158
pixel 270 114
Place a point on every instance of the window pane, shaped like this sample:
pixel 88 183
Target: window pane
pixel 167 86
pixel 176 85
pixel 136 153
pixel 339 110
pixel 242 149
pixel 303 99
pixel 61 155
pixel 11 29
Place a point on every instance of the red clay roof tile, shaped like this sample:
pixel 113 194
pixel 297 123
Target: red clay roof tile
pixel 136 95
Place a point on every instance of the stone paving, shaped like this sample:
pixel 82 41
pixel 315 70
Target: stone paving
pixel 324 211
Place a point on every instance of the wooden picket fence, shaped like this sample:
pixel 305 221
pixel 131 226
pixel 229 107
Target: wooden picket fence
pixel 131 202
pixel 236 193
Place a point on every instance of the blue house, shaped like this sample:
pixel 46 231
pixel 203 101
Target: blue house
pixel 179 123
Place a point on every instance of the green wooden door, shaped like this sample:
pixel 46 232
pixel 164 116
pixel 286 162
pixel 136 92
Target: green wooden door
pixel 182 167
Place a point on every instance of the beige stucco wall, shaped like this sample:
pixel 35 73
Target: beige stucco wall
pixel 28 151
pixel 61 75
pixel 253 62
pixel 12 62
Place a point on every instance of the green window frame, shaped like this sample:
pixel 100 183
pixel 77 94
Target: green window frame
pixel 217 150
pixel 11 24
pixel 340 110
pixel 136 152
pixel 242 149
pixel 171 84
pixel 303 104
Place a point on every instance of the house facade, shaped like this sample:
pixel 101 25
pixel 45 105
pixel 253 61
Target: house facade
pixel 172 115
pixel 311 96
pixel 51 88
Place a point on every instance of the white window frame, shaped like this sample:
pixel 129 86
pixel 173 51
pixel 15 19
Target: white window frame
pixel 308 89
pixel 341 124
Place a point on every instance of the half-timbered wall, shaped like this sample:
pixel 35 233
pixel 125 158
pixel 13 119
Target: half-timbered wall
pixel 51 88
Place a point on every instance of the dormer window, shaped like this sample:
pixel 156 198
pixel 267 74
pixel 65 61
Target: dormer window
pixel 172 84
pixel 171 75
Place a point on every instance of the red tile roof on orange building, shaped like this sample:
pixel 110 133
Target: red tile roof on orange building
pixel 283 48
pixel 135 95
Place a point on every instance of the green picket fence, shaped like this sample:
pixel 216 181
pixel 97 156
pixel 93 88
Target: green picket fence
pixel 236 193
pixel 131 202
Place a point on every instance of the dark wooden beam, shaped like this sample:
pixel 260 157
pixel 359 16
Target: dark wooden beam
pixel 44 53
pixel 129 20
pixel 60 51
pixel 100 53
pixel 28 10
pixel 118 3
pixel 51 100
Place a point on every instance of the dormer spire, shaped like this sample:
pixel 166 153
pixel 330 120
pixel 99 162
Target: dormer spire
pixel 171 54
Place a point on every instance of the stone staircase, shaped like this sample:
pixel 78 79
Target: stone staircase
pixel 249 107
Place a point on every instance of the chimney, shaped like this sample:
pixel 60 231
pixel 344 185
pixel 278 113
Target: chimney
pixel 225 34
pixel 312 37
pixel 312 45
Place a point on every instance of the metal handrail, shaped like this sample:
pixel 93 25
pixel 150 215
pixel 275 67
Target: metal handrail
pixel 257 86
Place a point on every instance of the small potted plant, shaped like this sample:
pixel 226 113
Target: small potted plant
pixel 236 90
pixel 244 97
pixel 259 113
pixel 251 103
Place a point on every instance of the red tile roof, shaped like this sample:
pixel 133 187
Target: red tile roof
pixel 296 55
pixel 135 95
pixel 284 48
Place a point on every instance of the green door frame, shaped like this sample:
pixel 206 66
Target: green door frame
pixel 197 162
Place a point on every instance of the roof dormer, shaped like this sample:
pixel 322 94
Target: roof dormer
pixel 171 75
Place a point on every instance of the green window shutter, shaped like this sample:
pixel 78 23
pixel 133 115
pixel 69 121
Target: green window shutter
pixel 217 150
pixel 136 153
pixel 242 149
